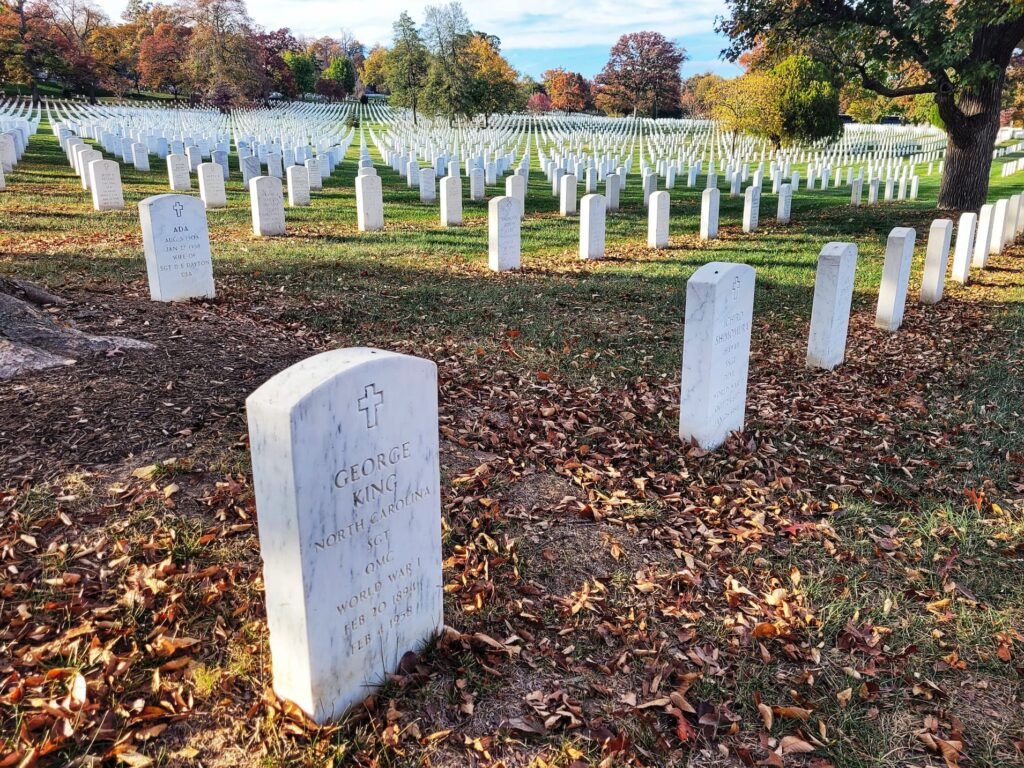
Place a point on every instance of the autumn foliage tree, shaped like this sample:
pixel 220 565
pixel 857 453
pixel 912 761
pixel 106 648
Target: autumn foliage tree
pixel 642 75
pixel 74 26
pixel 745 104
pixel 161 58
pixel 957 51
pixel 538 102
pixel 25 46
pixel 568 91
pixel 696 96
pixel 271 49
pixel 374 70
pixel 338 80
pixel 495 87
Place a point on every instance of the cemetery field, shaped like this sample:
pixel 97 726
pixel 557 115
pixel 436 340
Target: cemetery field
pixel 842 585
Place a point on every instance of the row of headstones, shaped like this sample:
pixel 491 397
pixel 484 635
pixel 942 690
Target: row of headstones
pixel 346 472
pixel 594 173
pixel 505 214
pixel 13 143
pixel 669 167
pixel 100 177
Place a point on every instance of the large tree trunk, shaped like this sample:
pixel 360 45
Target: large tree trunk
pixel 972 122
pixel 31 340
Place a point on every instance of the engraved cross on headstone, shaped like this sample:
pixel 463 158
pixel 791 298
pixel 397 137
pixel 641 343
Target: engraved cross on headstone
pixel 178 208
pixel 370 403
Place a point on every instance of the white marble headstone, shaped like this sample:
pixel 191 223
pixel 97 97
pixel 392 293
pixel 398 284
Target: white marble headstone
pixel 830 313
pixel 658 219
pixel 892 295
pixel 178 173
pixel 176 242
pixel 716 352
pixel 964 246
pixel 105 185
pixel 709 213
pixel 567 195
pixel 211 185
pixel 936 260
pixel 266 199
pixel 503 234
pixel 986 215
pixel 345 468
pixel 592 226
pixel 369 203
pixel 298 185
pixel 428 185
pixel 451 201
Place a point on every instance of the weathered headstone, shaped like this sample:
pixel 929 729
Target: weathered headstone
pixel 716 352
pixel 105 185
pixel 709 213
pixel 592 226
pixel 211 185
pixel 936 261
pixel 658 220
pixel 346 475
pixel 504 251
pixel 892 295
pixel 297 177
pixel 369 204
pixel 267 201
pixel 176 242
pixel 964 246
pixel 830 313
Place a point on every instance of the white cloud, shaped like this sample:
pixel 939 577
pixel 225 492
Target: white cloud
pixel 519 23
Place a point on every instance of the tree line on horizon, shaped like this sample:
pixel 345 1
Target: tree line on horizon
pixel 957 64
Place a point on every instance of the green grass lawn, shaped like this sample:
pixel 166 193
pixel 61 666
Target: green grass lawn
pixel 853 564
pixel 325 258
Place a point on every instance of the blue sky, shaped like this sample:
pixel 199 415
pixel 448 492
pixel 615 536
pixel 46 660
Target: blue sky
pixel 702 49
pixel 536 34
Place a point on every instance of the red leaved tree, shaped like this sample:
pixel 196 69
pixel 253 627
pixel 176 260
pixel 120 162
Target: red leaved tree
pixel 568 91
pixel 642 75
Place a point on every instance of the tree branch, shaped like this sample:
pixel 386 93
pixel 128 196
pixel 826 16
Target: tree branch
pixel 876 85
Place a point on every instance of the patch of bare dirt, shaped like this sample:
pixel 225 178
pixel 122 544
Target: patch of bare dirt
pixel 103 409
